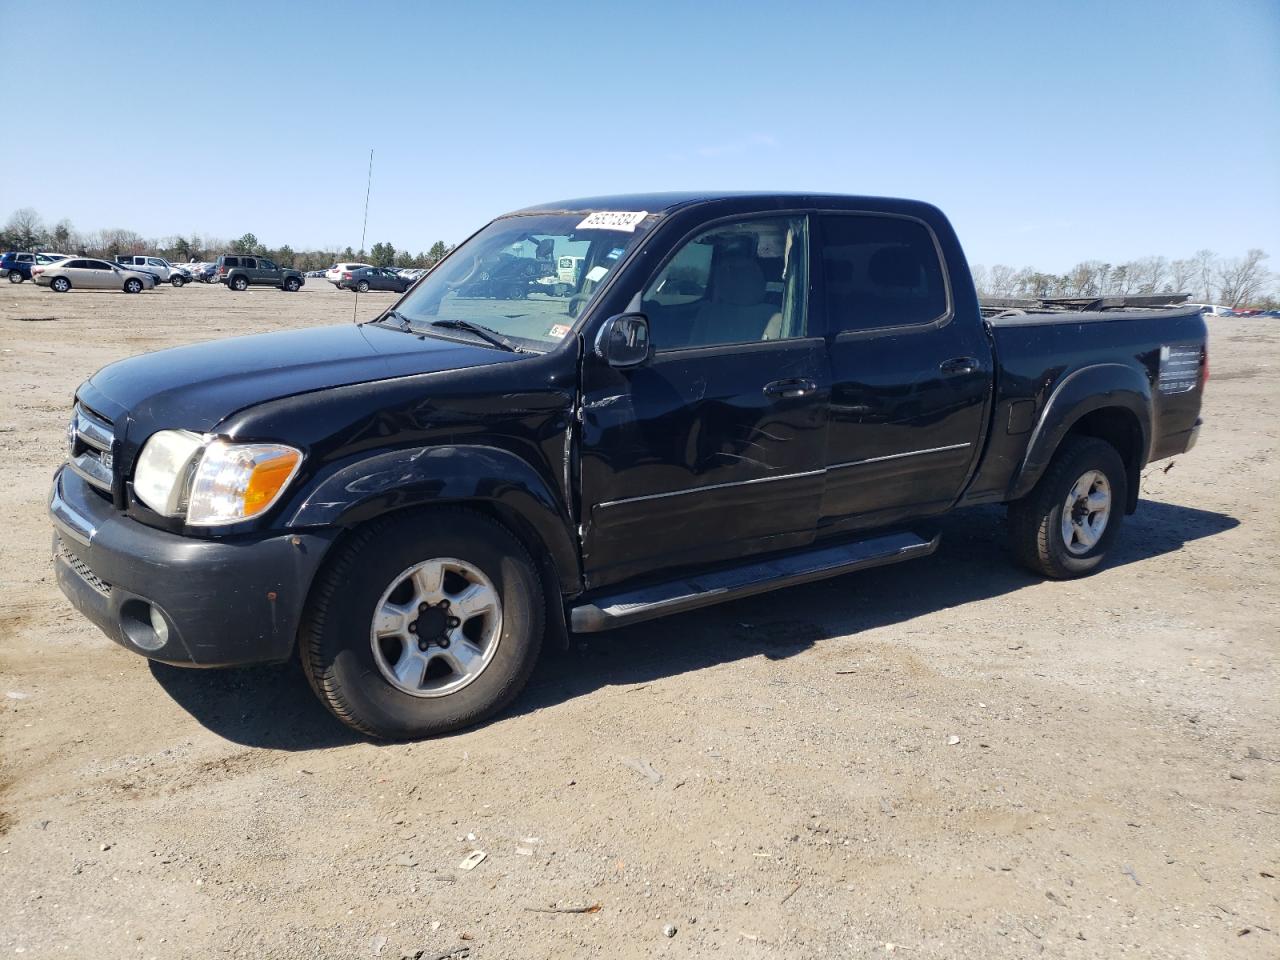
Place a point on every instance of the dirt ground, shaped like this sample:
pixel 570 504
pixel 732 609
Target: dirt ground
pixel 1114 790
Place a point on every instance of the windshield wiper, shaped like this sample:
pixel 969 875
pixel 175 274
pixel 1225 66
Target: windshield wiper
pixel 484 333
pixel 405 323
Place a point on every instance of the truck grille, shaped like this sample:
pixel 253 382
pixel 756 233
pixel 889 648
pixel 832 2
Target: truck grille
pixel 81 568
pixel 91 452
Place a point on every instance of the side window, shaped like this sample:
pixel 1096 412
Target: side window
pixel 78 264
pixel 880 272
pixel 231 261
pixel 248 263
pixel 155 262
pixel 737 282
pixel 266 265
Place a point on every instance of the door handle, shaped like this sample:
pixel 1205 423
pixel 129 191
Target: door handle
pixel 957 366
pixel 790 389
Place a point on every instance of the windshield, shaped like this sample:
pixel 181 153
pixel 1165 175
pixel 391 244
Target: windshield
pixel 526 277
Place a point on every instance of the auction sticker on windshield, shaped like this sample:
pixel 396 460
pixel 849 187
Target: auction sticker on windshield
pixel 613 220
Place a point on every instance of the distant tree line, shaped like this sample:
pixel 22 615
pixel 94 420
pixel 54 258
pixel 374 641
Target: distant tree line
pixel 25 230
pixel 1232 282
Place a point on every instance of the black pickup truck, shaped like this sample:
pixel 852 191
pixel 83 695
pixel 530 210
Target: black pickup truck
pixel 758 390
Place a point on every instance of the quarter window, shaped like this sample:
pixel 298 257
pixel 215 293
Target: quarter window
pixel 880 272
pixel 737 282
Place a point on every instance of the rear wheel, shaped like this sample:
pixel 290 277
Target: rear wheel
pixel 239 283
pixel 362 286
pixel 1065 525
pixel 133 285
pixel 423 624
pixel 15 277
pixel 59 284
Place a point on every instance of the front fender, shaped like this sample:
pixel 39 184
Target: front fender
pixel 1081 392
pixel 351 493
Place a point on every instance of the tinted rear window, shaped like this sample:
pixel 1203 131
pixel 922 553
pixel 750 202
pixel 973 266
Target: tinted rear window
pixel 880 272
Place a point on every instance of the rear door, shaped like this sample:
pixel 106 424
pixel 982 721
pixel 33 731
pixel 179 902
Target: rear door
pixel 77 273
pixel 713 449
pixel 910 380
pixel 101 275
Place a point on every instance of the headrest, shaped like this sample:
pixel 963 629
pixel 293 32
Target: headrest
pixel 894 267
pixel 739 281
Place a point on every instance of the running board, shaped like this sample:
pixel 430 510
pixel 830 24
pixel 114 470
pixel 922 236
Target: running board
pixel 646 603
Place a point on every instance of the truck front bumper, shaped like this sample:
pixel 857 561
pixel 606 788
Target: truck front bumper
pixel 181 600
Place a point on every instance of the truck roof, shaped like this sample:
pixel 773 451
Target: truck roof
pixel 668 201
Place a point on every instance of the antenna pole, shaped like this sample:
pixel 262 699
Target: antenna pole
pixel 368 187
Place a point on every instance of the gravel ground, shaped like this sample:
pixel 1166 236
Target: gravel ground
pixel 942 759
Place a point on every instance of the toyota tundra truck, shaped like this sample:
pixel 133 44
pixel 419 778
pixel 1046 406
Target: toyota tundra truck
pixel 762 390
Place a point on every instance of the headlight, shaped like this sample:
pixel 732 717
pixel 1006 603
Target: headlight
pixel 164 470
pixel 236 481
pixel 212 482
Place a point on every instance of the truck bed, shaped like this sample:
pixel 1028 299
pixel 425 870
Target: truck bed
pixel 1040 355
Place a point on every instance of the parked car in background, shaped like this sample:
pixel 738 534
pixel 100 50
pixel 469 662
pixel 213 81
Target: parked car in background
pixel 208 273
pixel 364 279
pixel 315 274
pixel 17 265
pixel 88 273
pixel 241 272
pixel 146 264
pixel 334 273
pixel 1213 309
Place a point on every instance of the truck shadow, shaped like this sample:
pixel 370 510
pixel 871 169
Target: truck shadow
pixel 973 563
pixel 273 708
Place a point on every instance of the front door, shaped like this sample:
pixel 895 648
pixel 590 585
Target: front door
pixel 713 449
pixel 909 383
pixel 266 273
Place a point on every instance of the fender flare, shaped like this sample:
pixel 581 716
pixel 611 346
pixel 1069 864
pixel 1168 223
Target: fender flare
pixel 1095 387
pixel 351 492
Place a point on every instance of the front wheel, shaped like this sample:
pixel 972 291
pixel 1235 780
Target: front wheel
pixel 292 284
pixel 133 285
pixel 177 280
pixel 15 277
pixel 1065 525
pixel 423 624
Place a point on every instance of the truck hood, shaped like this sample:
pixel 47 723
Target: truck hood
pixel 196 387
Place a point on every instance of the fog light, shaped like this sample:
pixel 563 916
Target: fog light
pixel 160 626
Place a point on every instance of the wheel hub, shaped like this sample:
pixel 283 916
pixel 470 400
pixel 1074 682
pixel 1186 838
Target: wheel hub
pixel 1086 512
pixel 436 627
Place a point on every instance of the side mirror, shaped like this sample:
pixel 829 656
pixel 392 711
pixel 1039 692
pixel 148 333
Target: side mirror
pixel 623 340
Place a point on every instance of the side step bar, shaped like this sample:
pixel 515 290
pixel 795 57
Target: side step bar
pixel 646 603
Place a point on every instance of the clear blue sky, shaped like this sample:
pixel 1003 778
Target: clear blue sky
pixel 1049 131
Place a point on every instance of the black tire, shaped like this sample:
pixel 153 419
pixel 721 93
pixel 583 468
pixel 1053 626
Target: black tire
pixel 334 639
pixel 15 277
pixel 177 280
pixel 362 286
pixel 239 284
pixel 292 285
pixel 59 284
pixel 132 285
pixel 1035 522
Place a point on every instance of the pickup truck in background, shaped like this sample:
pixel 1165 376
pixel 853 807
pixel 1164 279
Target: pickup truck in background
pixel 758 390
